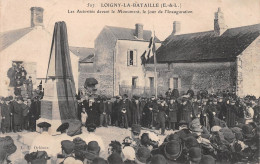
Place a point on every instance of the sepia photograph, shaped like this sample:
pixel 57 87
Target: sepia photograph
pixel 129 82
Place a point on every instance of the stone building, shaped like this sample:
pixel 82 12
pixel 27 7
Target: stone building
pixel 117 60
pixel 224 58
pixel 30 47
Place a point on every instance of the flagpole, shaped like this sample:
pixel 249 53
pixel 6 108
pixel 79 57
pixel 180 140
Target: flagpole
pixel 155 69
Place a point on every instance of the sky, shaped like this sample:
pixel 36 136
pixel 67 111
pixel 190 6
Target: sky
pixel 84 28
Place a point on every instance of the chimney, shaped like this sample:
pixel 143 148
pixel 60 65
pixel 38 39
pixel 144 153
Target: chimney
pixel 36 16
pixel 176 27
pixel 219 22
pixel 139 32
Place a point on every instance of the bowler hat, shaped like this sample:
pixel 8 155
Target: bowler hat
pixel 207 159
pixel 191 142
pixel 143 154
pixel 195 154
pixel 136 128
pixel 63 127
pixel 158 159
pixel 44 125
pixel 173 150
pixel 93 147
pixel 115 158
pixel 67 146
pixel 91 127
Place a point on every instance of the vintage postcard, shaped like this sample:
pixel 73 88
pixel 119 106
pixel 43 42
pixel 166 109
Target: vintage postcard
pixel 126 81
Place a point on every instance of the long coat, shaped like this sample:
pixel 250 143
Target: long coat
pixel 17 113
pixel 135 113
pixel 126 104
pixel 231 115
pixel 172 112
pixel 186 111
pixel 5 112
pixel 161 116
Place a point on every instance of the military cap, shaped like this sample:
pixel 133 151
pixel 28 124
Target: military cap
pixel 44 125
pixel 67 146
pixel 64 126
pixel 136 128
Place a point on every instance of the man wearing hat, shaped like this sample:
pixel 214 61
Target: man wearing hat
pixel 7 147
pixel 125 113
pixel 91 136
pixel 186 109
pixel 103 112
pixel 172 113
pixel 135 110
pixel 142 155
pixel 92 152
pixel 67 147
pixel 6 116
pixel 231 115
pixel 44 141
pixel 17 114
pixel 116 112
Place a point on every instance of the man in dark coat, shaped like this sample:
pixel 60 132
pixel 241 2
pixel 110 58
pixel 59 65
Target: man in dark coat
pixel 18 114
pixel 29 84
pixel 232 111
pixel 124 112
pixel 6 116
pixel 148 113
pixel 186 110
pixel 103 112
pixel 172 113
pixel 109 105
pixel 161 117
pixel 136 110
pixel 116 112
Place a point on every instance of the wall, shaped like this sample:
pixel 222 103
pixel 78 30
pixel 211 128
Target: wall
pixel 209 75
pixel 103 61
pixel 123 72
pixel 248 68
pixel 85 69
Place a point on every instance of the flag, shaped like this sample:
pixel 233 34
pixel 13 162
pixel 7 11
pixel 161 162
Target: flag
pixel 150 49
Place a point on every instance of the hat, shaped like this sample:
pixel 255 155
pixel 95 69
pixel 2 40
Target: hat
pixel 195 154
pixel 191 142
pixel 44 125
pixel 30 76
pixel 63 127
pixel 37 157
pixel 67 146
pixel 158 159
pixel 143 154
pixel 99 160
pixel 136 97
pixel 173 150
pixel 127 140
pixel 207 159
pixel 247 131
pixel 195 125
pixel 183 122
pixel 91 127
pixel 136 128
pixel 238 133
pixel 80 144
pixel 115 158
pixel 129 153
pixel 93 147
pixel 74 128
pixel 7 145
pixel 125 95
pixel 229 136
pixel 215 129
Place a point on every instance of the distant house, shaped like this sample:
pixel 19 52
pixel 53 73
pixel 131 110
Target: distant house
pixel 31 47
pixel 86 65
pixel 225 59
pixel 117 60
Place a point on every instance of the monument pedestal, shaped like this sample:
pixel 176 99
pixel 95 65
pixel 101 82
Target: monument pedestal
pixel 50 107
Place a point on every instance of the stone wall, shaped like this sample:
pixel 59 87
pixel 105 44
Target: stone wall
pixel 209 75
pixel 248 70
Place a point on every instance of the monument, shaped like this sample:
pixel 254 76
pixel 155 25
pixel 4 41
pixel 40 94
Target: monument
pixel 59 103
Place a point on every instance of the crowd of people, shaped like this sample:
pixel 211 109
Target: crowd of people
pixel 22 85
pixel 202 128
pixel 20 113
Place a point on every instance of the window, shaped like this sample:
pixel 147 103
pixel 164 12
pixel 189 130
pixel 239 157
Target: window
pixel 175 83
pixel 134 82
pixel 131 58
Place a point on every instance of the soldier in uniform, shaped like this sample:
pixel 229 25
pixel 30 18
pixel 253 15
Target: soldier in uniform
pixel 172 113
pixel 6 116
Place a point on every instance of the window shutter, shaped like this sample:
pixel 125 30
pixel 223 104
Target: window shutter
pixel 171 83
pixel 134 57
pixel 128 57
